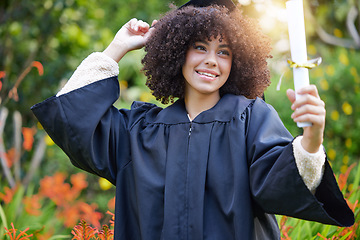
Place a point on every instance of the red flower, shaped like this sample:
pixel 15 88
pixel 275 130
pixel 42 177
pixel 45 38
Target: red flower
pixel 285 229
pixel 9 194
pixel 32 205
pixel 78 182
pixel 83 231
pixel 10 157
pixel 28 134
pixel 13 236
pixel 343 177
pixel 112 221
pixel 54 188
pixel 39 67
pixel 70 215
pixel 88 212
pixel 111 204
pixel 106 233
pixel 2 74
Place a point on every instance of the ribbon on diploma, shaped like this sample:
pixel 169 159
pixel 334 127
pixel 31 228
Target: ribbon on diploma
pixel 309 64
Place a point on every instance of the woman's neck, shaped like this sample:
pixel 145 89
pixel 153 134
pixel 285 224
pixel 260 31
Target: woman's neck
pixel 196 104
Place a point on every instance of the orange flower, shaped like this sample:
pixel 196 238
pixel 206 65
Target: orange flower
pixel 112 221
pixel 39 67
pixel 2 75
pixel 70 215
pixel 323 237
pixel 344 176
pixel 28 134
pixel 284 229
pixel 44 236
pixel 83 231
pixel 78 181
pixel 9 194
pixel 13 236
pixel 32 205
pixel 349 230
pixel 65 197
pixel 106 233
pixel 54 188
pixel 88 213
pixel 111 204
pixel 10 156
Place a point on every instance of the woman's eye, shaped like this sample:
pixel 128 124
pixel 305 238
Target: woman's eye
pixel 200 47
pixel 224 52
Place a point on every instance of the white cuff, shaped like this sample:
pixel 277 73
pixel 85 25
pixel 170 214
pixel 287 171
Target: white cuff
pixel 310 165
pixel 95 67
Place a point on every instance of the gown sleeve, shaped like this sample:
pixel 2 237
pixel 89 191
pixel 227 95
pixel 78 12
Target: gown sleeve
pixel 275 182
pixel 310 165
pixel 95 67
pixel 86 126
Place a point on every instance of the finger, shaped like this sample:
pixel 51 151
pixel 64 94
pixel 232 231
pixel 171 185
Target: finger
pixel 291 95
pixel 154 22
pixel 131 25
pixel 138 27
pixel 132 22
pixel 315 115
pixel 309 109
pixel 316 120
pixel 310 89
pixel 142 24
pixel 307 99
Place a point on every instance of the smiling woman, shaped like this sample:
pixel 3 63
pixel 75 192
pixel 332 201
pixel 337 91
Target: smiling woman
pixel 217 163
pixel 207 67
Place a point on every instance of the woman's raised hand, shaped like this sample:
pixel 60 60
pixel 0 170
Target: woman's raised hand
pixel 133 35
pixel 309 108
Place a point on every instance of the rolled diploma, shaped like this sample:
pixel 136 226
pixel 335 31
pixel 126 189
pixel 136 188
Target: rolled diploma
pixel 296 25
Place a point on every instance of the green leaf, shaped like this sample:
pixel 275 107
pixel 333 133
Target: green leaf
pixel 356 183
pixel 3 221
pixel 14 208
pixel 345 236
pixel 60 237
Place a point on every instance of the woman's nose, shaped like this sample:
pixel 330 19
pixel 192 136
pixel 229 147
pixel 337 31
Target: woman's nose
pixel 211 60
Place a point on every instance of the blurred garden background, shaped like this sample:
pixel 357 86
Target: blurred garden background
pixel 42 42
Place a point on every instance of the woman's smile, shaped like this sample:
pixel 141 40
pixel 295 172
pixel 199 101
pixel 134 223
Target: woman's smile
pixel 207 75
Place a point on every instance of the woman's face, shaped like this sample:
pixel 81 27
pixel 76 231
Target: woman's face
pixel 207 67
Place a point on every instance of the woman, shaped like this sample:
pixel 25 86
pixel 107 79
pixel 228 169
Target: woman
pixel 218 162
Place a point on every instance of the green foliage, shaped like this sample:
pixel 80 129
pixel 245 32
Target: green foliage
pixel 16 212
pixel 60 33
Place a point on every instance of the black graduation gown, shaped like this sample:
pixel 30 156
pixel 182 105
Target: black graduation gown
pixel 212 178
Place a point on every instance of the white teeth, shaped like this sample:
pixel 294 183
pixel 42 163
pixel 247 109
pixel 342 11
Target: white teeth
pixel 207 74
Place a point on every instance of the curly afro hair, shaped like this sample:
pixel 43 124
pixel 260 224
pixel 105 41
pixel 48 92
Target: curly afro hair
pixel 178 30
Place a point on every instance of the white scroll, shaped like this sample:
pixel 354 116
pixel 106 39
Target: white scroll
pixel 296 26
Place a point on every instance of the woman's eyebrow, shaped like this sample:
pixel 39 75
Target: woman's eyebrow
pixel 203 42
pixel 220 46
pixel 224 46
